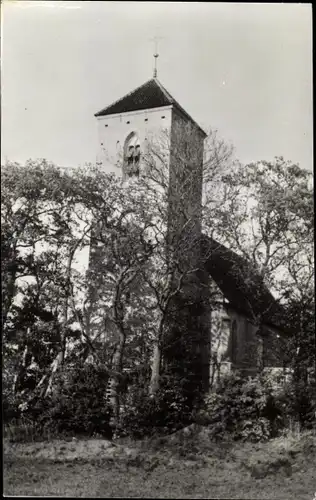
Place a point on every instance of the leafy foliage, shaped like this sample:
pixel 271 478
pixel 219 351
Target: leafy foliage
pixel 77 406
pixel 129 314
pixel 244 409
pixel 265 214
pixel 168 411
pixel 298 402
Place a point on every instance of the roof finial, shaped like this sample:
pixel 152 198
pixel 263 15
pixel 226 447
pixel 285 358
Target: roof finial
pixel 156 55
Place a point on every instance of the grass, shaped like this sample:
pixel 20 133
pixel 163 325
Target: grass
pixel 164 469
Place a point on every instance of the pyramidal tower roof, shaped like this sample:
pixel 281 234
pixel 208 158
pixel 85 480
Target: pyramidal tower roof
pixel 151 94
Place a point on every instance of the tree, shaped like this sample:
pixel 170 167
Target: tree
pixel 36 213
pixel 120 248
pixel 172 176
pixel 142 304
pixel 266 216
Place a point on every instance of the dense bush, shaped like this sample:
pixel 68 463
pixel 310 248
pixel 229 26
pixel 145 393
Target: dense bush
pixel 147 416
pixel 244 409
pixel 298 402
pixel 78 405
pixel 10 407
pixel 255 409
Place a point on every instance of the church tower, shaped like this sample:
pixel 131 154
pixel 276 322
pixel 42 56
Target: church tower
pixel 128 131
pixel 126 125
pixel 149 119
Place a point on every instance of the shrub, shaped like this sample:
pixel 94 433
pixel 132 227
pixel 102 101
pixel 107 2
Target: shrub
pixel 10 408
pixel 298 403
pixel 168 411
pixel 244 409
pixel 77 405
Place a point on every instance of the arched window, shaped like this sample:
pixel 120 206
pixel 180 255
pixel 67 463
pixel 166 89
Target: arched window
pixel 234 342
pixel 132 155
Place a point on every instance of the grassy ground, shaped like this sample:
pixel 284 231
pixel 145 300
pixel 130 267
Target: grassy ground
pixel 181 467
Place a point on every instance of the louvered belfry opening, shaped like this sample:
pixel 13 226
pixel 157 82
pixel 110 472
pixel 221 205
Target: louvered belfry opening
pixel 132 153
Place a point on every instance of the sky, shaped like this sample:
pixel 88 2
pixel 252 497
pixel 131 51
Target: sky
pixel 244 69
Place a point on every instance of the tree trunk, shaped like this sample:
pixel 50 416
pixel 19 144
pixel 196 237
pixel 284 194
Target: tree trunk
pixel 60 358
pixel 260 353
pixel 157 358
pixel 24 362
pixel 8 296
pixel 21 370
pixel 155 370
pixel 114 381
pixel 9 287
pixel 54 367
